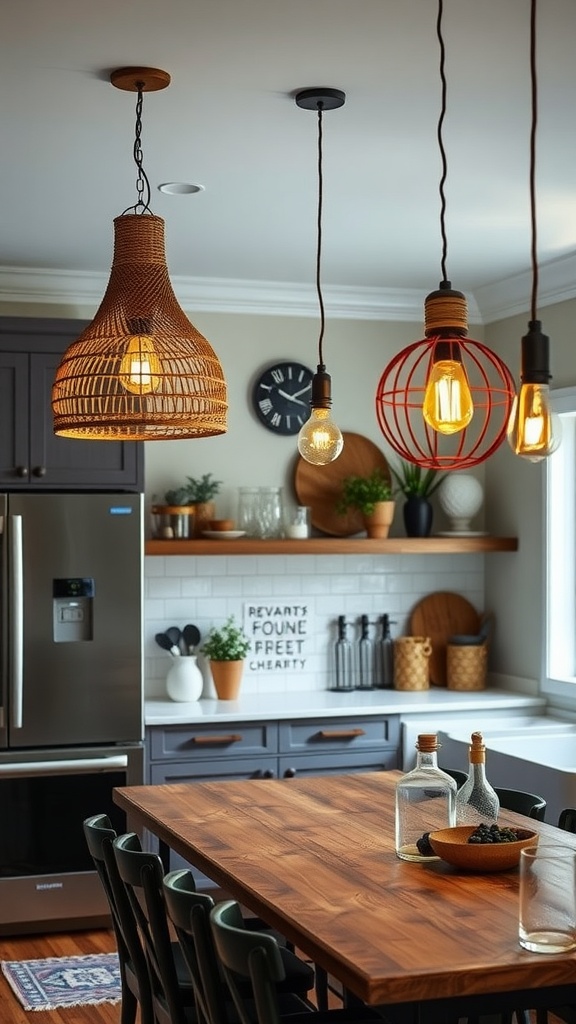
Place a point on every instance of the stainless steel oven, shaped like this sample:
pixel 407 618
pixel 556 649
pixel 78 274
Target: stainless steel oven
pixel 47 879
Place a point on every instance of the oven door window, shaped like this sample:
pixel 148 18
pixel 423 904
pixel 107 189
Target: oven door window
pixel 42 820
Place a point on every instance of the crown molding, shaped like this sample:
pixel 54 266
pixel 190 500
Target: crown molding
pixel 29 285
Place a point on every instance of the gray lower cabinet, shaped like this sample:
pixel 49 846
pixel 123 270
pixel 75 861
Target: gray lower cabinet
pixel 269 750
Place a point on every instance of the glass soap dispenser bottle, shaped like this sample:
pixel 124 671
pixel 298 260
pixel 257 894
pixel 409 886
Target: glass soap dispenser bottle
pixel 425 801
pixel 476 801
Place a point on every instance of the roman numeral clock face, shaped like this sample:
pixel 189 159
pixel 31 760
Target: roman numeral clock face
pixel 281 397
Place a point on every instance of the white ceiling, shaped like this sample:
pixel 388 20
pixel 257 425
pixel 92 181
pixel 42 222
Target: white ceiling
pixel 229 122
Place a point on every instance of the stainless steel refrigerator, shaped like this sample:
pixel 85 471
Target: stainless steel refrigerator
pixel 71 695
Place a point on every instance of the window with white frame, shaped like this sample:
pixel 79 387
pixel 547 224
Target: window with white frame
pixel 559 677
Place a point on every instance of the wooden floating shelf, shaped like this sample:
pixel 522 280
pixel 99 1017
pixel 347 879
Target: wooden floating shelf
pixel 334 546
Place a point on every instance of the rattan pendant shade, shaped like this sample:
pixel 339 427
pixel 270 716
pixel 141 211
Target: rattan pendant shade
pixel 178 389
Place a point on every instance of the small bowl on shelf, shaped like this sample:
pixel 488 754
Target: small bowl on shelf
pixel 221 525
pixel 452 846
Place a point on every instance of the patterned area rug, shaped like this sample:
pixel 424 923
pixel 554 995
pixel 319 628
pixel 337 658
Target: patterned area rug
pixel 64 981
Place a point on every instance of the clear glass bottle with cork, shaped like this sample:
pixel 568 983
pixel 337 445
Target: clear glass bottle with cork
pixel 476 800
pixel 425 802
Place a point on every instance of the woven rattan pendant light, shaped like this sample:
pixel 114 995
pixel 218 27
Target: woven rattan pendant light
pixel 140 371
pixel 444 402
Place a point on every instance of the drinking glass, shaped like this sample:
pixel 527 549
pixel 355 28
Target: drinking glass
pixel 547 918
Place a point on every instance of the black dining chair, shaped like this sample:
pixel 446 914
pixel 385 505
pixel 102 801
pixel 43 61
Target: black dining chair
pixel 135 981
pixel 255 957
pixel 567 819
pixel 455 773
pixel 530 804
pixel 189 912
pixel 172 990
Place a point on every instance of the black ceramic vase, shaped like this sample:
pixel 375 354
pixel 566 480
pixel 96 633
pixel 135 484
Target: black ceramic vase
pixel 417 514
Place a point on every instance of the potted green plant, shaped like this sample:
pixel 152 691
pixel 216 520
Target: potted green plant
pixel 226 649
pixel 173 519
pixel 417 486
pixel 373 497
pixel 201 493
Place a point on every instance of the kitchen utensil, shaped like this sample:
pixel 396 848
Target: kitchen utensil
pixel 440 616
pixel 174 635
pixel 320 487
pixel 191 637
pixel 164 641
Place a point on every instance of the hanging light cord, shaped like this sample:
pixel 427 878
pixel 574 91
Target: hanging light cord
pixel 142 205
pixel 533 311
pixel 319 236
pixel 440 140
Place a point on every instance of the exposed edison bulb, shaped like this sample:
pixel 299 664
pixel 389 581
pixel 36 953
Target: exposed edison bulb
pixel 140 368
pixel 448 405
pixel 320 441
pixel 534 431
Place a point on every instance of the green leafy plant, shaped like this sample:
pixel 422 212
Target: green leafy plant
pixel 202 490
pixel 177 496
pixel 364 492
pixel 413 482
pixel 228 643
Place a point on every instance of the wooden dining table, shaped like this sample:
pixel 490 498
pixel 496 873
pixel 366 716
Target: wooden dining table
pixel 314 857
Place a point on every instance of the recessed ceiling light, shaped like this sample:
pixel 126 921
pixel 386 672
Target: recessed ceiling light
pixel 179 188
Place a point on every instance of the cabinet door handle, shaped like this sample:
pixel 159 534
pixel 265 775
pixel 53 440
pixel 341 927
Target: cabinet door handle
pixel 214 741
pixel 340 734
pixel 267 774
pixel 289 773
pixel 39 471
pixel 22 471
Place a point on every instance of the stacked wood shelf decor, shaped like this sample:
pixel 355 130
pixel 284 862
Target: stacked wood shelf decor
pixel 335 546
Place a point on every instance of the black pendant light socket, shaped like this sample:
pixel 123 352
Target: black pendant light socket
pixel 535 368
pixel 321 389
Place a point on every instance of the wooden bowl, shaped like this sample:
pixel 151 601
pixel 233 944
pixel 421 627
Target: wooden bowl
pixel 451 844
pixel 222 525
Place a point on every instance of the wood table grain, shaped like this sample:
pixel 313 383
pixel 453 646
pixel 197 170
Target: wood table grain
pixel 315 858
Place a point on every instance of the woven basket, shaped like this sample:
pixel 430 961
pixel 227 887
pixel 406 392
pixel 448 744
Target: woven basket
pixel 466 666
pixel 411 671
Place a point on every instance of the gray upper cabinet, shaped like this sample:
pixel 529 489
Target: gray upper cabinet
pixel 31 456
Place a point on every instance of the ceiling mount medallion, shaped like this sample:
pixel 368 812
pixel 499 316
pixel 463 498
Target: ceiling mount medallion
pixel 320 440
pixel 444 402
pixel 140 371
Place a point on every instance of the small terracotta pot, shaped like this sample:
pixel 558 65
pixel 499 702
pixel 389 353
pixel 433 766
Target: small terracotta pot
pixel 227 676
pixel 378 524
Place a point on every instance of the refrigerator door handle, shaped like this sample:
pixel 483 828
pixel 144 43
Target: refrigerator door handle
pixel 17 621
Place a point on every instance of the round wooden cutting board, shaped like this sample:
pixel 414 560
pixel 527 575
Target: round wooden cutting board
pixel 440 616
pixel 320 487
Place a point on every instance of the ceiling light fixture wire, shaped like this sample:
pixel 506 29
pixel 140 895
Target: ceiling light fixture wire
pixel 534 431
pixel 444 402
pixel 142 182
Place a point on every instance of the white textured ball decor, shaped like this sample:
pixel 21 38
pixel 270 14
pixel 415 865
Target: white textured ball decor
pixel 460 496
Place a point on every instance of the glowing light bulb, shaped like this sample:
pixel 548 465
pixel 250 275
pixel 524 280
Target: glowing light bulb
pixel 534 431
pixel 320 441
pixel 448 405
pixel 140 368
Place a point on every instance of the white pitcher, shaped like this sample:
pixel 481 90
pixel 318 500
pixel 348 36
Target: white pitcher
pixel 184 681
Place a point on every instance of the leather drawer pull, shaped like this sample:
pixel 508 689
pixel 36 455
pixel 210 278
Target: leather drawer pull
pixel 340 734
pixel 232 737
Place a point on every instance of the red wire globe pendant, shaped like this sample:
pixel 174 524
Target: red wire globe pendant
pixel 402 388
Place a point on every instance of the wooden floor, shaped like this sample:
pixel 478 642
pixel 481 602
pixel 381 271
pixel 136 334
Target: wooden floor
pixel 32 947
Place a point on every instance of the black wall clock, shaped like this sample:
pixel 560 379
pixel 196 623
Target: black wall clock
pixel 281 397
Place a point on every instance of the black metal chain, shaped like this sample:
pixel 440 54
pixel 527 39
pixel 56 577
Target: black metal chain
pixel 440 141
pixel 142 204
pixel 319 236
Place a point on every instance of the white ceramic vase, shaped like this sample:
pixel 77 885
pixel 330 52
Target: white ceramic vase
pixel 184 681
pixel 460 496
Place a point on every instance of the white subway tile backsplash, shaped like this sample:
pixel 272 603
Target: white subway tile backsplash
pixel 206 590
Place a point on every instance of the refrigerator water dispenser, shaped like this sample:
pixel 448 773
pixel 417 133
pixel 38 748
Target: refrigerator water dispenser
pixel 73 601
